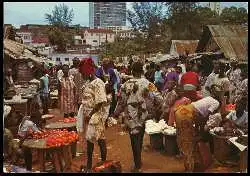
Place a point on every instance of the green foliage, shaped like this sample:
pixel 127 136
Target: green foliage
pixel 180 21
pixel 234 15
pixel 61 16
pixel 60 19
pixel 148 17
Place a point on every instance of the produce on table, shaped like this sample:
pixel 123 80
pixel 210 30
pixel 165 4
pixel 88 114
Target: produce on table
pixel 68 120
pixel 221 131
pixel 56 137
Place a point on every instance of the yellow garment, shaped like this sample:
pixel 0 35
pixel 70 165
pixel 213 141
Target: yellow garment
pixel 185 120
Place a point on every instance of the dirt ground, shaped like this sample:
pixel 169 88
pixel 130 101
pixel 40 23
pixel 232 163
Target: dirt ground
pixel 119 149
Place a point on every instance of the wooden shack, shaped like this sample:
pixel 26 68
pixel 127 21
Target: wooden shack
pixel 19 57
pixel 231 40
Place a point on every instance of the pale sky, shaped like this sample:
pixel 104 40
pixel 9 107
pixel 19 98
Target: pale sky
pixel 18 13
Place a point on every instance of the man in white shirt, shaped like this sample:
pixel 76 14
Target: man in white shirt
pixel 183 67
pixel 240 115
pixel 210 80
pixel 206 106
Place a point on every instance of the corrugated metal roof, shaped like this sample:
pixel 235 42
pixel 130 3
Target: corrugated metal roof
pixel 181 46
pixel 19 51
pixel 232 40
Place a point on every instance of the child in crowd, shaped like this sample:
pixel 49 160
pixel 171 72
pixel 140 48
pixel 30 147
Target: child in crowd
pixel 169 98
pixel 153 100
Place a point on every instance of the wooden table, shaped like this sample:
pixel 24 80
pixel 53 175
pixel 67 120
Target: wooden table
pixel 21 106
pixel 221 147
pixel 243 160
pixel 62 125
pixel 59 154
pixel 243 154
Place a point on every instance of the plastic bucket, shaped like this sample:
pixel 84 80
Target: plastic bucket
pixel 170 146
pixel 156 141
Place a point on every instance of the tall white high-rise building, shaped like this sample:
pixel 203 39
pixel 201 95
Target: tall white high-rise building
pixel 104 14
pixel 215 6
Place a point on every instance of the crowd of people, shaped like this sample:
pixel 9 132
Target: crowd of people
pixel 177 93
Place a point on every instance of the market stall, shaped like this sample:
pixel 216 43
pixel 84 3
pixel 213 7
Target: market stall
pixel 56 142
pixel 66 123
pixel 162 136
pixel 25 96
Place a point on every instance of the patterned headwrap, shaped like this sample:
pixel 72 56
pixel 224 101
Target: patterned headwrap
pixel 87 66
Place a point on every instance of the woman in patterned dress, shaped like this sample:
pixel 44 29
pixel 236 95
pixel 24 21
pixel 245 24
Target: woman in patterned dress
pixel 67 92
pixel 95 112
pixel 190 122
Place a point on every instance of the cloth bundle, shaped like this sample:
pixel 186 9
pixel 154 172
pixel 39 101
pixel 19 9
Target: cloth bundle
pixel 160 127
pixel 152 127
pixel 169 130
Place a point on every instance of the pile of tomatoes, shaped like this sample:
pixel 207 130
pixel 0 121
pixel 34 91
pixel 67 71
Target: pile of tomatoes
pixel 230 107
pixel 68 120
pixel 63 138
pixel 55 138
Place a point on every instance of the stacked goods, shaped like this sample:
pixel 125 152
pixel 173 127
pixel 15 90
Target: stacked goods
pixel 243 140
pixel 161 127
pixel 227 131
pixel 169 130
pixel 227 128
pixel 152 127
pixel 157 131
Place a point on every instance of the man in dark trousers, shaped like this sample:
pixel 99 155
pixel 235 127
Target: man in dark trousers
pixel 44 93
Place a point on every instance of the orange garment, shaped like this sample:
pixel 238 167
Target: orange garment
pixel 175 107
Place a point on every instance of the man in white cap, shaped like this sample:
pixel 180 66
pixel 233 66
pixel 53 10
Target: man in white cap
pixel 234 75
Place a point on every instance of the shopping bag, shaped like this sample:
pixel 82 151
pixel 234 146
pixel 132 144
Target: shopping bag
pixel 79 123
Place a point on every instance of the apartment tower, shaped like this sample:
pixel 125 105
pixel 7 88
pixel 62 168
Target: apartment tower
pixel 104 14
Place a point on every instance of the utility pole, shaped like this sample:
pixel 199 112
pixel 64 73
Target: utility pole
pixel 106 43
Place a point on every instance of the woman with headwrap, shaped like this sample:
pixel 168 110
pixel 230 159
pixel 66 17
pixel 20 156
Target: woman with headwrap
pixel 94 102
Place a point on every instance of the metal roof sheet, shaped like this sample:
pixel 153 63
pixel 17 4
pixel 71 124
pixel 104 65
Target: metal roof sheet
pixel 232 40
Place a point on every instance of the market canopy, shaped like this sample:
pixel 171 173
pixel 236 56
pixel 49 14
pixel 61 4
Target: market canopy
pixel 232 40
pixel 20 51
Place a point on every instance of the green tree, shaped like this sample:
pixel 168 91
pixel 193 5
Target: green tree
pixel 183 20
pixel 60 20
pixel 234 15
pixel 147 17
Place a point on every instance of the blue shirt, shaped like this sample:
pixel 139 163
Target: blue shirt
pixel 158 77
pixel 45 89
